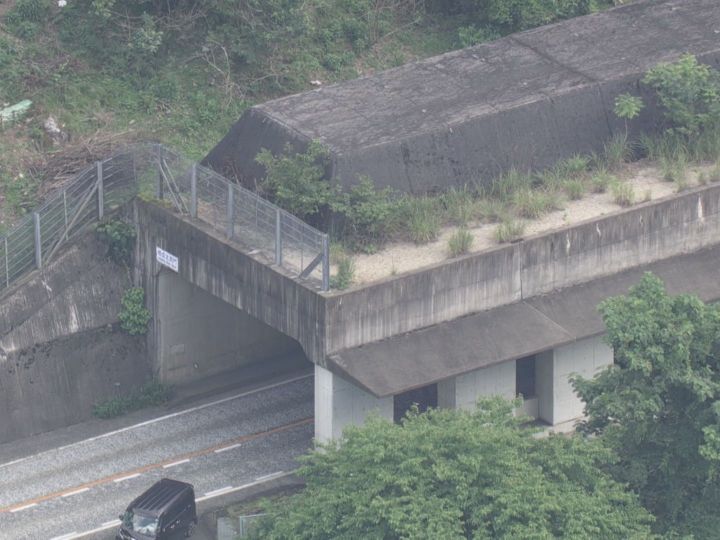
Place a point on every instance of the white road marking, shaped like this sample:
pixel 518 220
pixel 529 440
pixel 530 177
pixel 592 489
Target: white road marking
pixel 217 492
pixel 67 536
pixel 161 418
pixel 20 508
pixel 225 449
pixel 113 523
pixel 128 477
pixel 269 476
pixel 240 488
pixel 71 493
pixel 175 463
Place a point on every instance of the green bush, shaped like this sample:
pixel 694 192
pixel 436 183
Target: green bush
pixel 460 205
pixel 119 237
pixel 366 214
pixel 296 180
pixel 575 189
pixel 460 242
pixel 506 185
pixel 601 180
pixel 689 93
pixel 150 394
pixel 134 316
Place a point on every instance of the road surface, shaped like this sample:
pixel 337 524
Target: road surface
pixel 218 446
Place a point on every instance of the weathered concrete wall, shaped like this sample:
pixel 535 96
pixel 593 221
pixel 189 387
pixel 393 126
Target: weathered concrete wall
pixel 218 267
pixel 200 335
pixel 79 291
pixel 56 384
pixel 60 349
pixel 478 282
pixel 526 100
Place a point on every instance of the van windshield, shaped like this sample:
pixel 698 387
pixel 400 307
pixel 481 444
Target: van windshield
pixel 146 525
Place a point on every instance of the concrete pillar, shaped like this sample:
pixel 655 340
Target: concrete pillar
pixel 339 403
pixel 558 402
pixel 497 380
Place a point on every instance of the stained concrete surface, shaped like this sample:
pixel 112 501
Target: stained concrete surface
pixel 526 100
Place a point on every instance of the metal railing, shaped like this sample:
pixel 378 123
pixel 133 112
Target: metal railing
pixel 262 228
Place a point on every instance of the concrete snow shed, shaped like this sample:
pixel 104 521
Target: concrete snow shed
pixel 525 101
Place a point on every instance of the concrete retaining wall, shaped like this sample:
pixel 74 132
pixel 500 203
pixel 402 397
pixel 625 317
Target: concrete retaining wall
pixel 478 282
pixel 60 349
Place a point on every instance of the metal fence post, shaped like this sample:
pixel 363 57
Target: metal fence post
pixel 159 185
pixel 230 228
pixel 100 191
pixel 7 265
pixel 38 240
pixel 278 237
pixel 193 191
pixel 326 263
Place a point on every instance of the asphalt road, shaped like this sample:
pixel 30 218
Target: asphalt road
pixel 217 446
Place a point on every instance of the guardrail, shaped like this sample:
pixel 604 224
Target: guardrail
pixel 258 225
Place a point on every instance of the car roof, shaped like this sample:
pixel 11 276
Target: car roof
pixel 160 496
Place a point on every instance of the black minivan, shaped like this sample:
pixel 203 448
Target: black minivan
pixel 166 511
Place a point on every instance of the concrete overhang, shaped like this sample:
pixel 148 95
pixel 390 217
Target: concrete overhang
pixel 429 355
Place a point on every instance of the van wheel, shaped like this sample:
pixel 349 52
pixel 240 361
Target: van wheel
pixel 190 530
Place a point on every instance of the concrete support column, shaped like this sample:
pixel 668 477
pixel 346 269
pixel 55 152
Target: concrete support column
pixel 339 403
pixel 558 402
pixel 497 380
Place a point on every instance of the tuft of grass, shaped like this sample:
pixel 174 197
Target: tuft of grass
pixel 509 230
pixel 422 217
pixel 533 203
pixel 617 151
pixel 600 181
pixel 714 174
pixel 574 189
pixel 706 145
pixel 623 193
pixel 647 196
pixel 674 168
pixel 574 166
pixel 345 274
pixel 460 242
pixel 150 394
pixel 681 184
pixel 490 210
pixel 702 178
pixel 503 187
pixel 459 205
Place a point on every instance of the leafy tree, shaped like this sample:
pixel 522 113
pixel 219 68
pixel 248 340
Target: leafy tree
pixel 453 475
pixel 659 405
pixel 628 107
pixel 689 92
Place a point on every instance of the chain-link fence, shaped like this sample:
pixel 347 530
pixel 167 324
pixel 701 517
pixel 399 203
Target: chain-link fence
pixel 260 227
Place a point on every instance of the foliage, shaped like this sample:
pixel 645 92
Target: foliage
pixel 295 180
pixel 533 203
pixel 345 273
pixel 454 475
pixel 623 193
pixel 20 191
pixel 460 242
pixel 601 180
pixel 674 169
pixel 689 93
pixel 460 205
pixel 628 107
pixel 134 316
pixel 509 230
pixel 150 394
pixel 658 406
pixel 421 216
pixel 119 236
pixel 366 213
pixel 506 185
pixel 575 189
pixel 472 35
pixel 617 151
